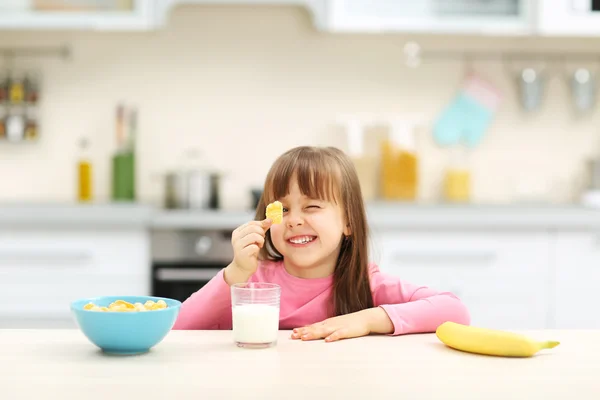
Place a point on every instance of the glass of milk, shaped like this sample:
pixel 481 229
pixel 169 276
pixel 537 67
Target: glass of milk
pixel 255 313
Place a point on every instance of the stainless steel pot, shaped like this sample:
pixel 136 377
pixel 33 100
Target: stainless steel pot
pixel 194 189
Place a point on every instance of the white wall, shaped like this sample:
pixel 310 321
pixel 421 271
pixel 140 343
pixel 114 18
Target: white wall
pixel 245 84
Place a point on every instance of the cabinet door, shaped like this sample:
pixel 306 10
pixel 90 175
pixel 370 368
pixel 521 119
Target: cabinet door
pixel 43 271
pixel 495 17
pixel 577 280
pixel 503 278
pixel 568 18
pixel 65 15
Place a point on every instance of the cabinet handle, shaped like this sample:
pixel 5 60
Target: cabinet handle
pixel 183 274
pixel 406 257
pixel 43 256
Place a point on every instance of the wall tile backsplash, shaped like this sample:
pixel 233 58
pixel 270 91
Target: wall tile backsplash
pixel 243 84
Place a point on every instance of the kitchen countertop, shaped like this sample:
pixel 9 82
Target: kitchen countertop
pixel 75 215
pixel 62 364
pixel 381 216
pixel 519 216
pixel 199 219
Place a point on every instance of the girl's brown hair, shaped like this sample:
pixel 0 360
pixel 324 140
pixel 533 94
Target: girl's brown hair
pixel 326 173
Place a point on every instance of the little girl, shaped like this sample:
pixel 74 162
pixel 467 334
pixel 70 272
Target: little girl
pixel 318 255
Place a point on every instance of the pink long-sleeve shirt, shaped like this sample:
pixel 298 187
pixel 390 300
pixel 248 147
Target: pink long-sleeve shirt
pixel 411 308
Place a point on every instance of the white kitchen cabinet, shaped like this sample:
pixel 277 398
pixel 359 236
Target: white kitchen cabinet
pixel 503 277
pixel 141 16
pixel 43 270
pixel 145 15
pixel 492 17
pixel 568 18
pixel 475 17
pixel 480 17
pixel 577 277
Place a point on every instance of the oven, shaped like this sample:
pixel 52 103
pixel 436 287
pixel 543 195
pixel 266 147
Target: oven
pixel 184 260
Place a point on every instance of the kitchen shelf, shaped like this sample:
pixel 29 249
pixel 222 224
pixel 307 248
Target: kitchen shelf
pixel 413 53
pixel 141 17
pixel 63 52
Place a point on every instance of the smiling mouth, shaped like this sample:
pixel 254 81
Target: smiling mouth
pixel 302 239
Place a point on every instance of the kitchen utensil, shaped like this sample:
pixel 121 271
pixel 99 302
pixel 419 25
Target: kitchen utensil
pixel 594 174
pixel 583 89
pixel 530 83
pixel 256 195
pixel 192 185
pixel 412 54
pixel 192 189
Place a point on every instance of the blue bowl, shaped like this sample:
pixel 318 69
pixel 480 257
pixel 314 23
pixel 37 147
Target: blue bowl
pixel 125 332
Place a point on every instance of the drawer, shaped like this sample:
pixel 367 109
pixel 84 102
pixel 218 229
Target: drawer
pixel 73 253
pixel 52 297
pixel 504 278
pixel 510 313
pixel 577 275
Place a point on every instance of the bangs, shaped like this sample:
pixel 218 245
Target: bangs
pixel 317 174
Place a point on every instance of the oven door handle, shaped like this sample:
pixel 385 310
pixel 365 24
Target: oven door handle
pixel 186 274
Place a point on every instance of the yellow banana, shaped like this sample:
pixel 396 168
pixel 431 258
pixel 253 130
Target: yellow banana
pixel 489 341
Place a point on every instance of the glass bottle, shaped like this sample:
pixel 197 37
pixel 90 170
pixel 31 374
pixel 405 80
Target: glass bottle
pixel 85 183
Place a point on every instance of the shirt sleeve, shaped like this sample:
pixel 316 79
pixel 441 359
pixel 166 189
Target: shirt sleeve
pixel 416 309
pixel 208 308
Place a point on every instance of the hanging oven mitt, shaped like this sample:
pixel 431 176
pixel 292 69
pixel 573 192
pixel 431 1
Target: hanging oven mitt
pixel 467 118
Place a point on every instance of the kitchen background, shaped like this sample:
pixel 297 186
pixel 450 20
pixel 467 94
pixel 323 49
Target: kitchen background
pixel 229 87
pixel 264 79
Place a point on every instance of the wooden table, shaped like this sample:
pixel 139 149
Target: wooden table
pixel 62 364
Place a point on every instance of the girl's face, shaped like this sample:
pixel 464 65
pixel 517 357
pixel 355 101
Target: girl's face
pixel 310 235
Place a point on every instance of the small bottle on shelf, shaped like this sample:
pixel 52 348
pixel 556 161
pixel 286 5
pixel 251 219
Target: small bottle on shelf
pixel 85 170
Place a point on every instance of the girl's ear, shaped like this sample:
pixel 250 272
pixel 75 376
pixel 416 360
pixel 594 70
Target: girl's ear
pixel 347 230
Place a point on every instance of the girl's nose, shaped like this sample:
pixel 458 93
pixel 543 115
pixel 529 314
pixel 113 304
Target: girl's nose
pixel 294 219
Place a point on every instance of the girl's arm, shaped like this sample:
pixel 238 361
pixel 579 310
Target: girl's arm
pixel 210 307
pixel 415 309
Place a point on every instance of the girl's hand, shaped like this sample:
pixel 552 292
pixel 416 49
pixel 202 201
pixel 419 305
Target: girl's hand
pixel 246 240
pixel 361 323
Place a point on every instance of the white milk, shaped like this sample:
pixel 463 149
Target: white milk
pixel 255 323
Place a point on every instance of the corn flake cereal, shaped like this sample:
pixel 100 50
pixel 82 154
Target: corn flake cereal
pixel 275 212
pixel 124 306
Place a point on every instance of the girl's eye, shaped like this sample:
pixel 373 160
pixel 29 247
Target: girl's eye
pixel 313 206
pixel 285 209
